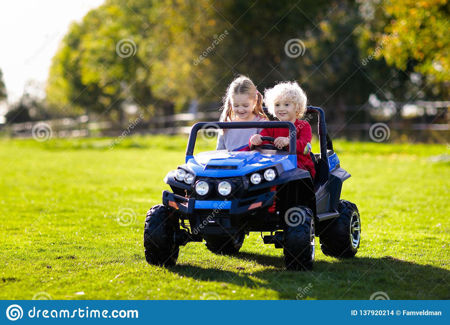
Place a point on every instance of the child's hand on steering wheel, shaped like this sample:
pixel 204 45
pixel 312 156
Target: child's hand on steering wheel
pixel 281 142
pixel 256 139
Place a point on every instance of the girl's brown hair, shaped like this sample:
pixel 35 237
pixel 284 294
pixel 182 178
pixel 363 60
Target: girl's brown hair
pixel 241 85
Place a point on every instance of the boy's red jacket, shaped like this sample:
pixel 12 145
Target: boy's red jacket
pixel 304 136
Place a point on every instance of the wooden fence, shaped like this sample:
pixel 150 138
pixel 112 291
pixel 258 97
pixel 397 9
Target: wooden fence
pixel 429 128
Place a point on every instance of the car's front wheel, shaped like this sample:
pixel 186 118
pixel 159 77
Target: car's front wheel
pixel 299 239
pixel 159 243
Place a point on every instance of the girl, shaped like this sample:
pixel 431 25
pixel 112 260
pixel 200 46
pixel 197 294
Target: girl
pixel 287 101
pixel 242 103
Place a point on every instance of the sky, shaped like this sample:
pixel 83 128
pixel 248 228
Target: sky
pixel 30 32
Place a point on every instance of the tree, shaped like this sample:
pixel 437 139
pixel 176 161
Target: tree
pixel 98 66
pixel 3 93
pixel 30 107
pixel 163 54
pixel 313 42
pixel 410 35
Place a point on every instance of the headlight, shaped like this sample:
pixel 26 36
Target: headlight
pixel 255 178
pixel 269 175
pixel 181 173
pixel 189 178
pixel 224 188
pixel 202 188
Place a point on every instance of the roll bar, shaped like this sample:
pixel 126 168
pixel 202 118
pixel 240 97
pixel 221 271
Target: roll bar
pixel 324 139
pixel 242 125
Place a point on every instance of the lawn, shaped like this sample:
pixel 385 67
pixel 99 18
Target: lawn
pixel 72 215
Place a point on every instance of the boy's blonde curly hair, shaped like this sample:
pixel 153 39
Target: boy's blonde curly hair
pixel 286 91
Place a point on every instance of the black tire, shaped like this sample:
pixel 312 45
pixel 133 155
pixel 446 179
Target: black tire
pixel 299 239
pixel 160 248
pixel 341 237
pixel 226 245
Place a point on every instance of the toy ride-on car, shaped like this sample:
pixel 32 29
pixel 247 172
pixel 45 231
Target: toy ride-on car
pixel 220 196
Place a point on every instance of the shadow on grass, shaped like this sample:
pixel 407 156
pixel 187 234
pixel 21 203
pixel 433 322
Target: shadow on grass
pixel 356 278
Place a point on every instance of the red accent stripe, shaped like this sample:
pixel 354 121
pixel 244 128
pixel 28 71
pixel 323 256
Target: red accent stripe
pixel 273 207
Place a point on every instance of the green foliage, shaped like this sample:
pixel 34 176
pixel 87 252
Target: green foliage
pixel 91 69
pixel 185 50
pixel 28 108
pixel 18 113
pixel 331 69
pixel 3 94
pixel 410 34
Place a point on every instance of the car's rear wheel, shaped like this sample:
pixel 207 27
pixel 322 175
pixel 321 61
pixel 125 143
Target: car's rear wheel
pixel 342 236
pixel 230 244
pixel 159 243
pixel 299 239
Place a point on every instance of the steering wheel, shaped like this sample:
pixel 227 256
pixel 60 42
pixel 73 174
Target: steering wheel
pixel 267 145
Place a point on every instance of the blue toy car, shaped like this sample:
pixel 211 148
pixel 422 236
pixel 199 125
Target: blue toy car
pixel 220 196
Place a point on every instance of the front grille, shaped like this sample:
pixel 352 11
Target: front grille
pixel 221 167
pixel 256 192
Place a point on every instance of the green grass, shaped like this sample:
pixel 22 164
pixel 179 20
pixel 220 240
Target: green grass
pixel 64 204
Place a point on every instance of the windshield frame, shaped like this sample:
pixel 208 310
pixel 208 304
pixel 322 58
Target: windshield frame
pixel 242 125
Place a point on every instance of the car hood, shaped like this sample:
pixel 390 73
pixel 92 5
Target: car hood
pixel 223 163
